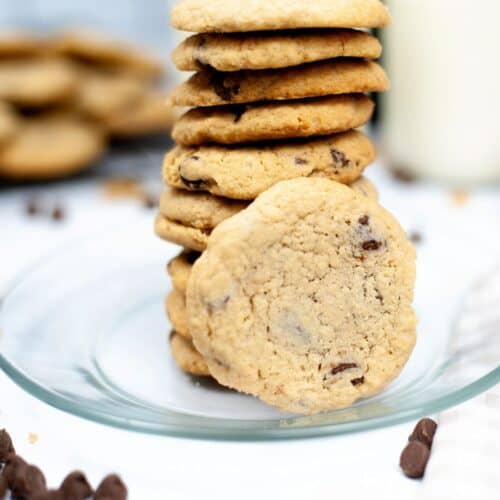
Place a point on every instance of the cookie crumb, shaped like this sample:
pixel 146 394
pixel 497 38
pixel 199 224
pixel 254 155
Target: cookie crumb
pixel 32 438
pixel 460 197
pixel 122 187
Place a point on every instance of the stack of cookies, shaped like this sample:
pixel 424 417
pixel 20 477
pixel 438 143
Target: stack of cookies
pixel 279 89
pixel 63 97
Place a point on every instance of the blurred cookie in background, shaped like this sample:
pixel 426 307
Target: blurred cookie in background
pixel 43 82
pixel 50 146
pixel 98 49
pixel 65 96
pixel 18 43
pixel 150 114
pixel 9 123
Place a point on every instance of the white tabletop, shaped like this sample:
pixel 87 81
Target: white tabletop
pixel 459 242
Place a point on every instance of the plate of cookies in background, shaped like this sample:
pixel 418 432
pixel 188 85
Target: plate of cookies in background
pixel 278 300
pixel 65 96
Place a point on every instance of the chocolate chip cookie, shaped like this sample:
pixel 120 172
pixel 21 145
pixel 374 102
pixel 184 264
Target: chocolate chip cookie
pixel 187 357
pixel 9 123
pixel 51 146
pixel 175 305
pixel 246 171
pixel 36 82
pixel 332 77
pixel 272 49
pixel 179 269
pixel 188 218
pixel 304 299
pixel 271 121
pixel 232 16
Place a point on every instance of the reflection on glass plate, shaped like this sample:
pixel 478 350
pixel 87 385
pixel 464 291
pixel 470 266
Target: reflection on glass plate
pixel 85 331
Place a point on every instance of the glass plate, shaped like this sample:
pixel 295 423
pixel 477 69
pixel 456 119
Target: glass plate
pixel 85 331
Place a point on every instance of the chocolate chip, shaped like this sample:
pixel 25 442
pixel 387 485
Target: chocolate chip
pixel 415 237
pixel 424 432
pixel 371 245
pixel 12 463
pixel 111 488
pixel 75 487
pixel 238 112
pixel 225 86
pixel 3 487
pixel 300 161
pixel 414 459
pixel 6 446
pixel 32 207
pixel 27 481
pixel 358 381
pixel 58 213
pixel 197 185
pixel 342 367
pixel 339 158
pixel 364 220
pixel 194 157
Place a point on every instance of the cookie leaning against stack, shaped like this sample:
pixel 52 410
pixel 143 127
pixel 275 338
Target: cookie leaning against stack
pixel 279 88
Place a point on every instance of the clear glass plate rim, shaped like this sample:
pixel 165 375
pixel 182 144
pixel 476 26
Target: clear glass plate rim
pixel 259 431
pixel 198 427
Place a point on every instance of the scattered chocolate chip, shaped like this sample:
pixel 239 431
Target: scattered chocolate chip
pixel 111 488
pixel 75 487
pixel 402 174
pixel 193 185
pixel 225 86
pixel 3 487
pixel 364 220
pixel 27 480
pixel 415 237
pixel 414 459
pixel 32 207
pixel 50 495
pixel 339 158
pixel 300 161
pixel 58 213
pixel 238 111
pixel 342 367
pixel 12 463
pixel 150 201
pixel 371 245
pixel 358 381
pixel 6 446
pixel 424 432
